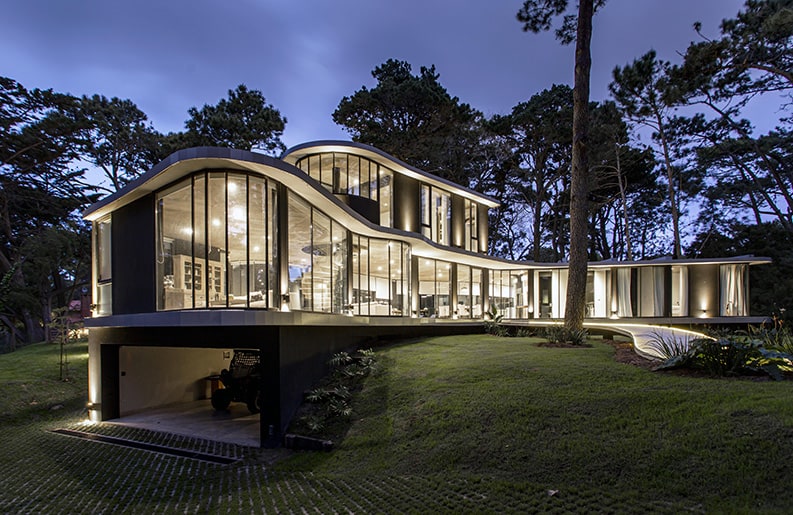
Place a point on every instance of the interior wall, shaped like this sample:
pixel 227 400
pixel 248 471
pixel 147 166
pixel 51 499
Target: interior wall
pixel 157 376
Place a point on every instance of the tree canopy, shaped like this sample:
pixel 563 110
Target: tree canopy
pixel 244 120
pixel 414 118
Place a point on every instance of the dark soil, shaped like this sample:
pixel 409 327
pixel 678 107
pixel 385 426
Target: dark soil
pixel 624 353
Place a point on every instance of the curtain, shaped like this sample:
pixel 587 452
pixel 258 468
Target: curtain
pixel 683 294
pixel 658 291
pixel 732 290
pixel 624 292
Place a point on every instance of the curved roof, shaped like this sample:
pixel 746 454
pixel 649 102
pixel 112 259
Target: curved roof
pixel 297 152
pixel 185 162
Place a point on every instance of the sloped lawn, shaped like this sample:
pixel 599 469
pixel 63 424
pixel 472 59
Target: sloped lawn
pixel 568 420
pixel 471 424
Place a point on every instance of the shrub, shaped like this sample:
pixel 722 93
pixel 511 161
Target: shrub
pixel 674 350
pixel 333 397
pixel 560 335
pixel 524 332
pixel 775 335
pixel 730 354
pixel 493 322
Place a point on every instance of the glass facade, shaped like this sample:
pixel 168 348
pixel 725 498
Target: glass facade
pixel 436 214
pixel 104 267
pixel 348 174
pixel 435 286
pixel 215 242
pixel 217 245
pixel 217 248
pixel 471 232
pixel 381 277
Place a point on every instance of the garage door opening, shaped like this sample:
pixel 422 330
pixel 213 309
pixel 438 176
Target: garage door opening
pixel 170 389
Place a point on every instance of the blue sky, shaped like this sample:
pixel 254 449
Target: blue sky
pixel 170 55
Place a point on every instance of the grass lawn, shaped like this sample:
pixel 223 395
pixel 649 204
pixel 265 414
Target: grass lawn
pixel 473 424
pixel 503 410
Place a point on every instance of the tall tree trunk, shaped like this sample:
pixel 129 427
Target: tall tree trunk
pixel 624 200
pixel 579 185
pixel 538 205
pixel 670 178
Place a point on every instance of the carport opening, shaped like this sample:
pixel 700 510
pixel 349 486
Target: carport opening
pixel 171 389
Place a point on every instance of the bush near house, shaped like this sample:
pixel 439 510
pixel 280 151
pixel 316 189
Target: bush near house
pixel 767 350
pixel 329 404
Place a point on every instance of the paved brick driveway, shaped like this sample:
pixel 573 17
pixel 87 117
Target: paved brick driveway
pixel 44 472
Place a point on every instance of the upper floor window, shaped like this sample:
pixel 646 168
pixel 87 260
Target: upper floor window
pixel 104 267
pixel 348 174
pixel 471 214
pixel 216 242
pixel 436 214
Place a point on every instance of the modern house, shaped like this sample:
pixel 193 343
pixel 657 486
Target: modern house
pixel 336 242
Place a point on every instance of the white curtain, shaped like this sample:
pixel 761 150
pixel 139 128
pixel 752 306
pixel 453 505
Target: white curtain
pixel 624 292
pixel 732 290
pixel 658 291
pixel 683 291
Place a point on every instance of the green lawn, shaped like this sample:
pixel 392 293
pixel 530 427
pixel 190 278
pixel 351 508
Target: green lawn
pixel 474 424
pixel 569 419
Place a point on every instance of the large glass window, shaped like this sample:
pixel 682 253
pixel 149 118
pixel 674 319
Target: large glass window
pixel 321 256
pixel 476 293
pixel 104 269
pixel 427 293
pixel 520 295
pixel 362 295
pixel 300 262
pixel 443 288
pixel 343 173
pixel 426 211
pixel 434 288
pixel 379 277
pixel 471 226
pixel 733 285
pixel 463 291
pixel 258 273
pixel 215 242
pixel 500 296
pixel 386 182
pixel 174 247
pixel 237 231
pixel 436 213
pixel 339 269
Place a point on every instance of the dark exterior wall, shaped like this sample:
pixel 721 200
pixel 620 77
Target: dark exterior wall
pixel 703 290
pixel 365 207
pixel 134 271
pixel 406 203
pixel 109 400
pixel 483 224
pixel 304 353
pixel 458 222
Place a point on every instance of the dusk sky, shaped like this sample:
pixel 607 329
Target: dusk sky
pixel 170 55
